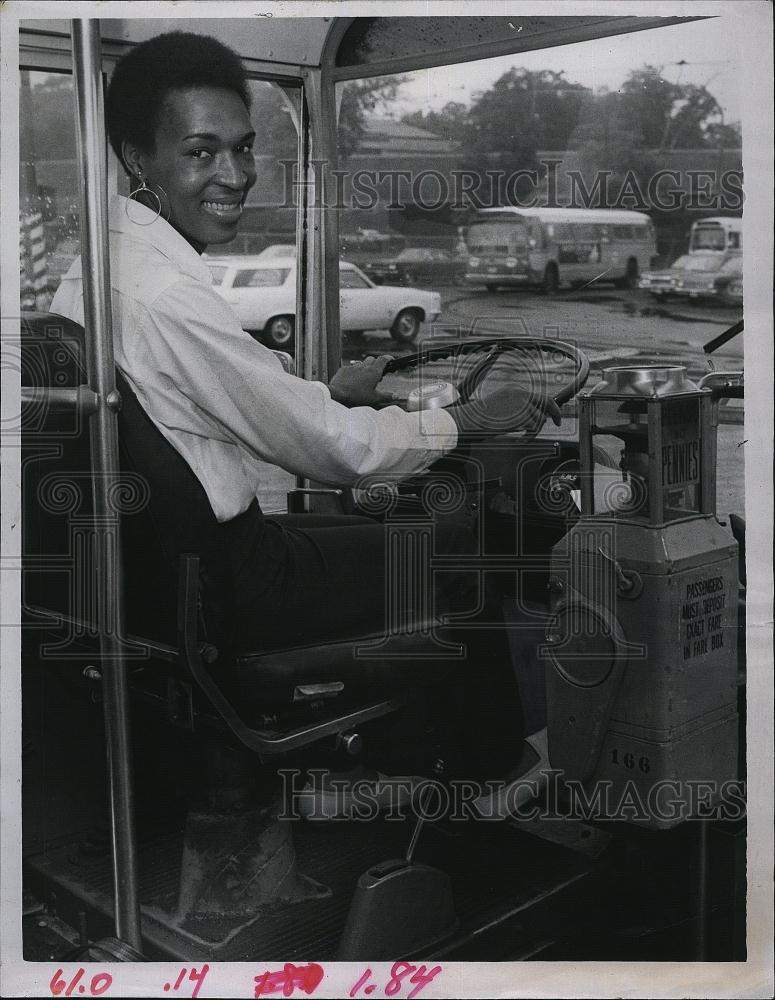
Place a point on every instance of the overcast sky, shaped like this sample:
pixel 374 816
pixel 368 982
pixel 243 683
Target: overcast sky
pixel 708 47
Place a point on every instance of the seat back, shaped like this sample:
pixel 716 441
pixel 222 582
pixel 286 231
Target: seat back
pixel 57 492
pixel 161 506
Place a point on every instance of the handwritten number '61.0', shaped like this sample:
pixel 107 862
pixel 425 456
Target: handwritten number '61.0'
pixel 97 985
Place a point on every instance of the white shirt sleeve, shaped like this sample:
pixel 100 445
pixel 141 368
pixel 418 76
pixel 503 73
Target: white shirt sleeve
pixel 211 378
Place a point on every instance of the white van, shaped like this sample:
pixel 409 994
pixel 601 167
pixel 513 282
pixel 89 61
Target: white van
pixel 719 234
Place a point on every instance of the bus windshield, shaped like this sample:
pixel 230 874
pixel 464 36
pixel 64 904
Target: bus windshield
pixel 711 237
pixel 503 236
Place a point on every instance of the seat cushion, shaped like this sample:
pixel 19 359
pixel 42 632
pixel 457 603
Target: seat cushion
pixel 372 663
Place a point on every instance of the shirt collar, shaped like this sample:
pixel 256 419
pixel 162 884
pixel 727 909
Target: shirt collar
pixel 152 229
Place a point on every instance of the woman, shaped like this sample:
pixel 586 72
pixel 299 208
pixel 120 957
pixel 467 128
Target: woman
pixel 178 120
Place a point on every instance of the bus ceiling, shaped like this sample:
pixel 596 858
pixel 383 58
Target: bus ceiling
pixel 350 48
pixel 382 45
pixel 273 39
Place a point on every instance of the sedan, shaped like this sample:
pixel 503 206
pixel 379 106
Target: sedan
pixel 706 275
pixel 262 292
pixel 734 292
pixel 660 283
pixel 728 283
pixel 278 250
pixel 695 275
pixel 418 265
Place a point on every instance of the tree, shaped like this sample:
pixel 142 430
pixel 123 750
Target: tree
pixel 359 99
pixel 647 99
pixel 719 135
pixel 505 126
pixel 452 122
pixel 272 112
pixel 523 112
pixel 609 140
pixel 671 115
pixel 52 123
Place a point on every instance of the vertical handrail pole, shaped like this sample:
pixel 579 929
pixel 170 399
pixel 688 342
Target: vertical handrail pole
pixel 87 58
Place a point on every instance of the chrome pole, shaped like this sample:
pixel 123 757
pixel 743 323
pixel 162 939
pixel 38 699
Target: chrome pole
pixel 106 574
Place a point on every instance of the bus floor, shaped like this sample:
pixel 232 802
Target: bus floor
pixel 517 896
pixel 549 889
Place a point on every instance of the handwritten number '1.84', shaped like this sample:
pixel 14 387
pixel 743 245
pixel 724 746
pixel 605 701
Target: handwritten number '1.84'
pixel 418 977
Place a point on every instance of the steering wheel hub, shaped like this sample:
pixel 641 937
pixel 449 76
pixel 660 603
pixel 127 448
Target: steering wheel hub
pixel 432 396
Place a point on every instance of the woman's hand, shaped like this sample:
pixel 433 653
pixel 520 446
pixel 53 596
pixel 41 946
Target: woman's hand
pixel 356 384
pixel 507 408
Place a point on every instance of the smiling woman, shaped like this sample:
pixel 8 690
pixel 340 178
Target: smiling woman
pixel 178 120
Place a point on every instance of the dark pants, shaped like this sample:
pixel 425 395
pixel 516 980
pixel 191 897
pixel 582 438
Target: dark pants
pixel 307 578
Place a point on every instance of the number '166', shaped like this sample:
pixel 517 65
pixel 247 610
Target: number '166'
pixel 630 761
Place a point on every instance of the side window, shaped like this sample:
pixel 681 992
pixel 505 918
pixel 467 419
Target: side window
pixel 585 233
pixel 351 279
pixel 735 241
pixel 264 277
pixel 49 197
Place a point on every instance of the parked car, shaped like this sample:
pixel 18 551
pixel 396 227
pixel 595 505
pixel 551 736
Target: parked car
pixel 734 292
pixel 418 265
pixel 278 250
pixel 728 283
pixel 695 275
pixel 706 276
pixel 660 283
pixel 262 291
pixel 363 237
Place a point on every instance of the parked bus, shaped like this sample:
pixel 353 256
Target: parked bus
pixel 552 246
pixel 717 235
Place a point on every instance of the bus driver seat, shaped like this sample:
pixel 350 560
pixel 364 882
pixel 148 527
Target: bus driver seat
pixel 177 587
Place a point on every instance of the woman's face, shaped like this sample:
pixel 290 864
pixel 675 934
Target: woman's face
pixel 203 162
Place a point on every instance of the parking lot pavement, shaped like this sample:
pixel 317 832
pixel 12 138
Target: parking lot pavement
pixel 595 318
pixel 605 322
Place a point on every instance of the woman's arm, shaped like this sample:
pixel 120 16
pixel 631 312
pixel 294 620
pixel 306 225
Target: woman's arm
pixel 205 375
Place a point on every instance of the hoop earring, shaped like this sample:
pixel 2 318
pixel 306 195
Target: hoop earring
pixel 133 196
pixel 167 216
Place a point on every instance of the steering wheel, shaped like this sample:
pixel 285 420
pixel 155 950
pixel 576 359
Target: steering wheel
pixel 378 499
pixel 493 348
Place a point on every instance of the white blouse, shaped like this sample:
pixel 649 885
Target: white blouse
pixel 221 398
